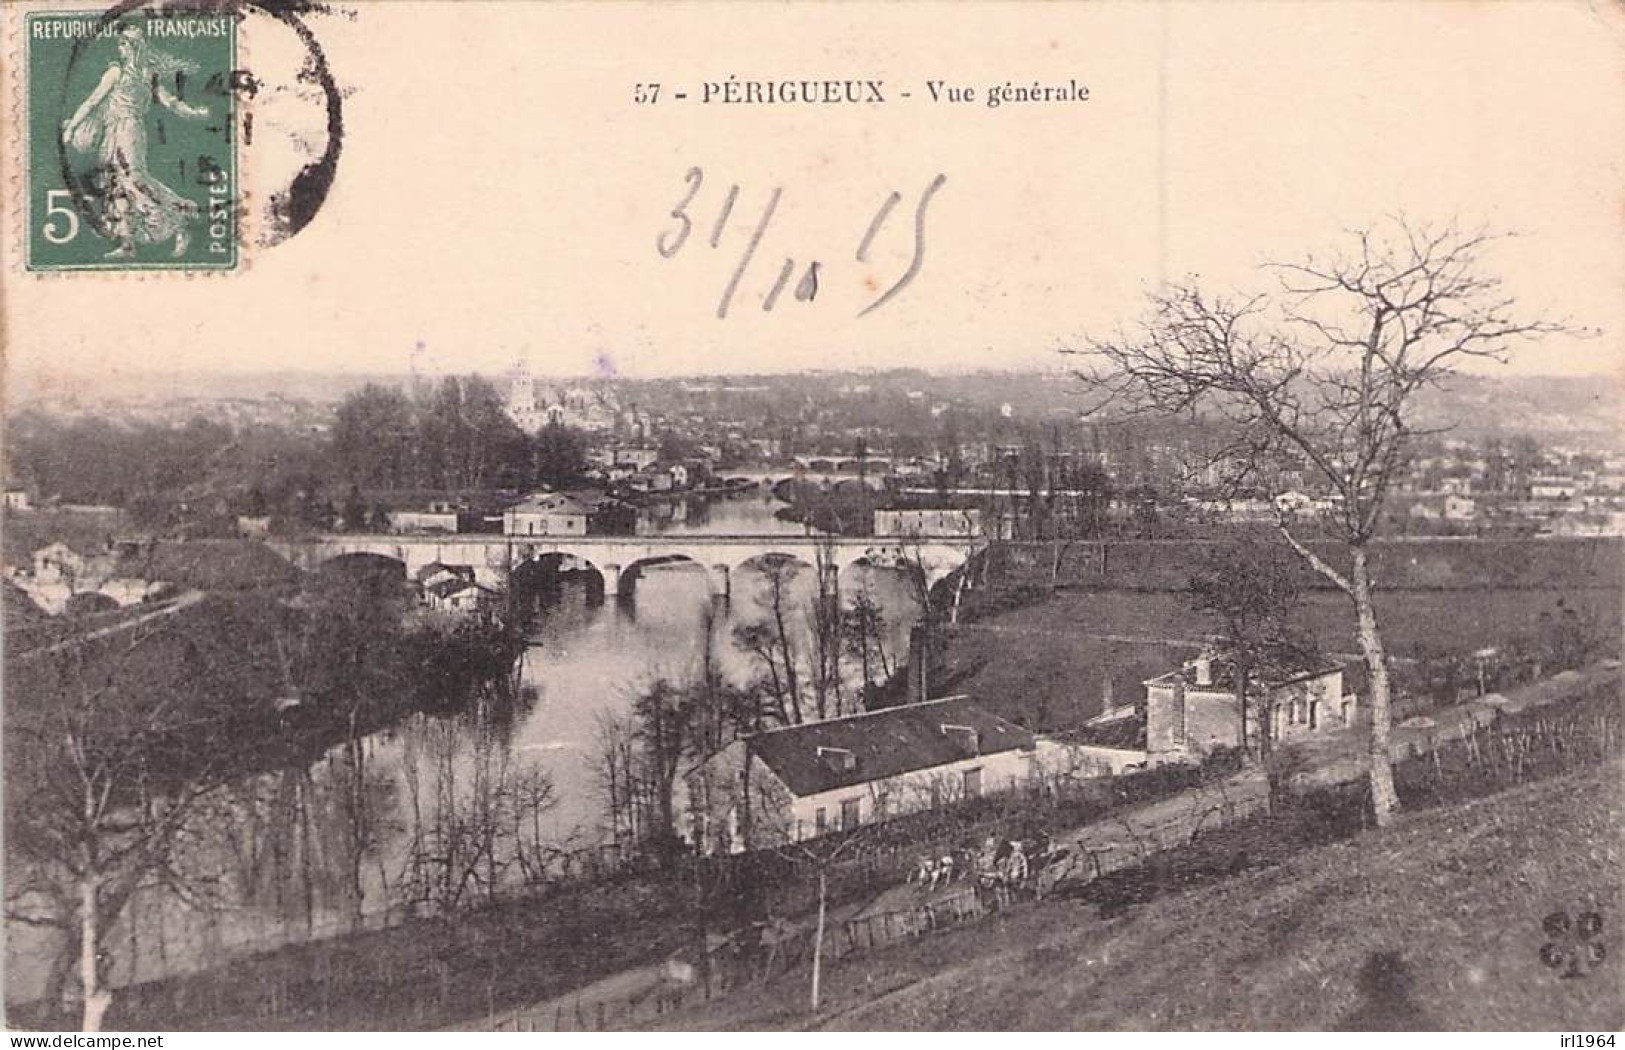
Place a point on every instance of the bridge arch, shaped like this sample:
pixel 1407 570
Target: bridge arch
pixel 544 575
pixel 772 575
pixel 364 564
pixel 718 577
pixel 732 562
pixel 865 569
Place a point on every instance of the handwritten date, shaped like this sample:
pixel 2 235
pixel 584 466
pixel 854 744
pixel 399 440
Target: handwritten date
pixel 672 239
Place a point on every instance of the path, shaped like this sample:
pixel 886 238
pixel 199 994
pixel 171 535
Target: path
pixel 175 605
pixel 1051 632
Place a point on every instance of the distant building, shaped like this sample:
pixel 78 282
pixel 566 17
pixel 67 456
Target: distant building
pixel 1553 488
pixel 442 519
pixel 17 498
pixel 1193 710
pixel 61 575
pixel 1456 486
pixel 798 782
pixel 533 406
pixel 458 596
pixel 637 457
pixel 929 522
pixel 650 481
pixel 438 572
pixel 1294 501
pixel 546 514
pixel 1449 508
pixel 61 563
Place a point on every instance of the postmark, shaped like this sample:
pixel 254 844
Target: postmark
pixel 132 140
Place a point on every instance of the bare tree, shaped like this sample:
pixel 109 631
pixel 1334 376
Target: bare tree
pixel 483 817
pixel 863 626
pixel 617 775
pixel 1327 371
pixel 823 615
pixel 662 718
pixel 820 855
pixel 771 641
pixel 103 773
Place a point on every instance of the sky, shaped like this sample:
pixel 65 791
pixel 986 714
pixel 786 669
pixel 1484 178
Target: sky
pixel 501 195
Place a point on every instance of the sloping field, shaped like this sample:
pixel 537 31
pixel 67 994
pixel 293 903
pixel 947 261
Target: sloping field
pixel 1048 663
pixel 1435 923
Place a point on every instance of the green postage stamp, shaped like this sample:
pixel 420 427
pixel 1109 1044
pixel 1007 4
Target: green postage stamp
pixel 132 151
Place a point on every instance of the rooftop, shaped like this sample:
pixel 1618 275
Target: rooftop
pixel 549 503
pixel 1273 676
pixel 884 743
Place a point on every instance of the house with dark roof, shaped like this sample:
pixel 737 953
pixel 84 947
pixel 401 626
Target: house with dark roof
pixel 798 782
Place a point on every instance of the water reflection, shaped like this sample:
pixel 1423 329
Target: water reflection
pixel 444 811
pixel 592 659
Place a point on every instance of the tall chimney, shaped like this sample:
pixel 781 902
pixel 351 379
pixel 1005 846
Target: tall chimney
pixel 1204 669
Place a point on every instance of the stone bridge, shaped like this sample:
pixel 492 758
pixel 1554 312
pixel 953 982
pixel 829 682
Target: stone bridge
pixel 620 558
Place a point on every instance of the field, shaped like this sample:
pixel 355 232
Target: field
pixel 1048 663
pixel 1435 923
pixel 1441 619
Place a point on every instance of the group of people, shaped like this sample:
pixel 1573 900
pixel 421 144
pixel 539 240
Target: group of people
pixel 1000 864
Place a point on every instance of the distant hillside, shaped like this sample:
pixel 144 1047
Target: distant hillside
pixel 1580 410
pixel 1583 410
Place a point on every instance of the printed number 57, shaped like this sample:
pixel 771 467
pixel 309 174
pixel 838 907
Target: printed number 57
pixel 70 226
pixel 646 94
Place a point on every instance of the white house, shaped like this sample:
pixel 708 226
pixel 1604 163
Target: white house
pixel 637 457
pixel 1294 501
pixel 1553 488
pixel 59 562
pixel 60 572
pixel 546 514
pixel 802 781
pixel 458 596
pixel 1193 710
pixel 435 519
pixel 929 522
pixel 1448 508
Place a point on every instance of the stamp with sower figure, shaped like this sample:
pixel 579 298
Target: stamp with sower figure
pixel 132 145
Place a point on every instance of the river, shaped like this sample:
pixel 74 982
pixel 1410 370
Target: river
pixel 590 659
pixel 407 812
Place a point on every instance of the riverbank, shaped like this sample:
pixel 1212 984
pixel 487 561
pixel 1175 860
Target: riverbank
pixel 209 715
pixel 478 966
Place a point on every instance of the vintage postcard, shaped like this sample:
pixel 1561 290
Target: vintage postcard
pixel 577 517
